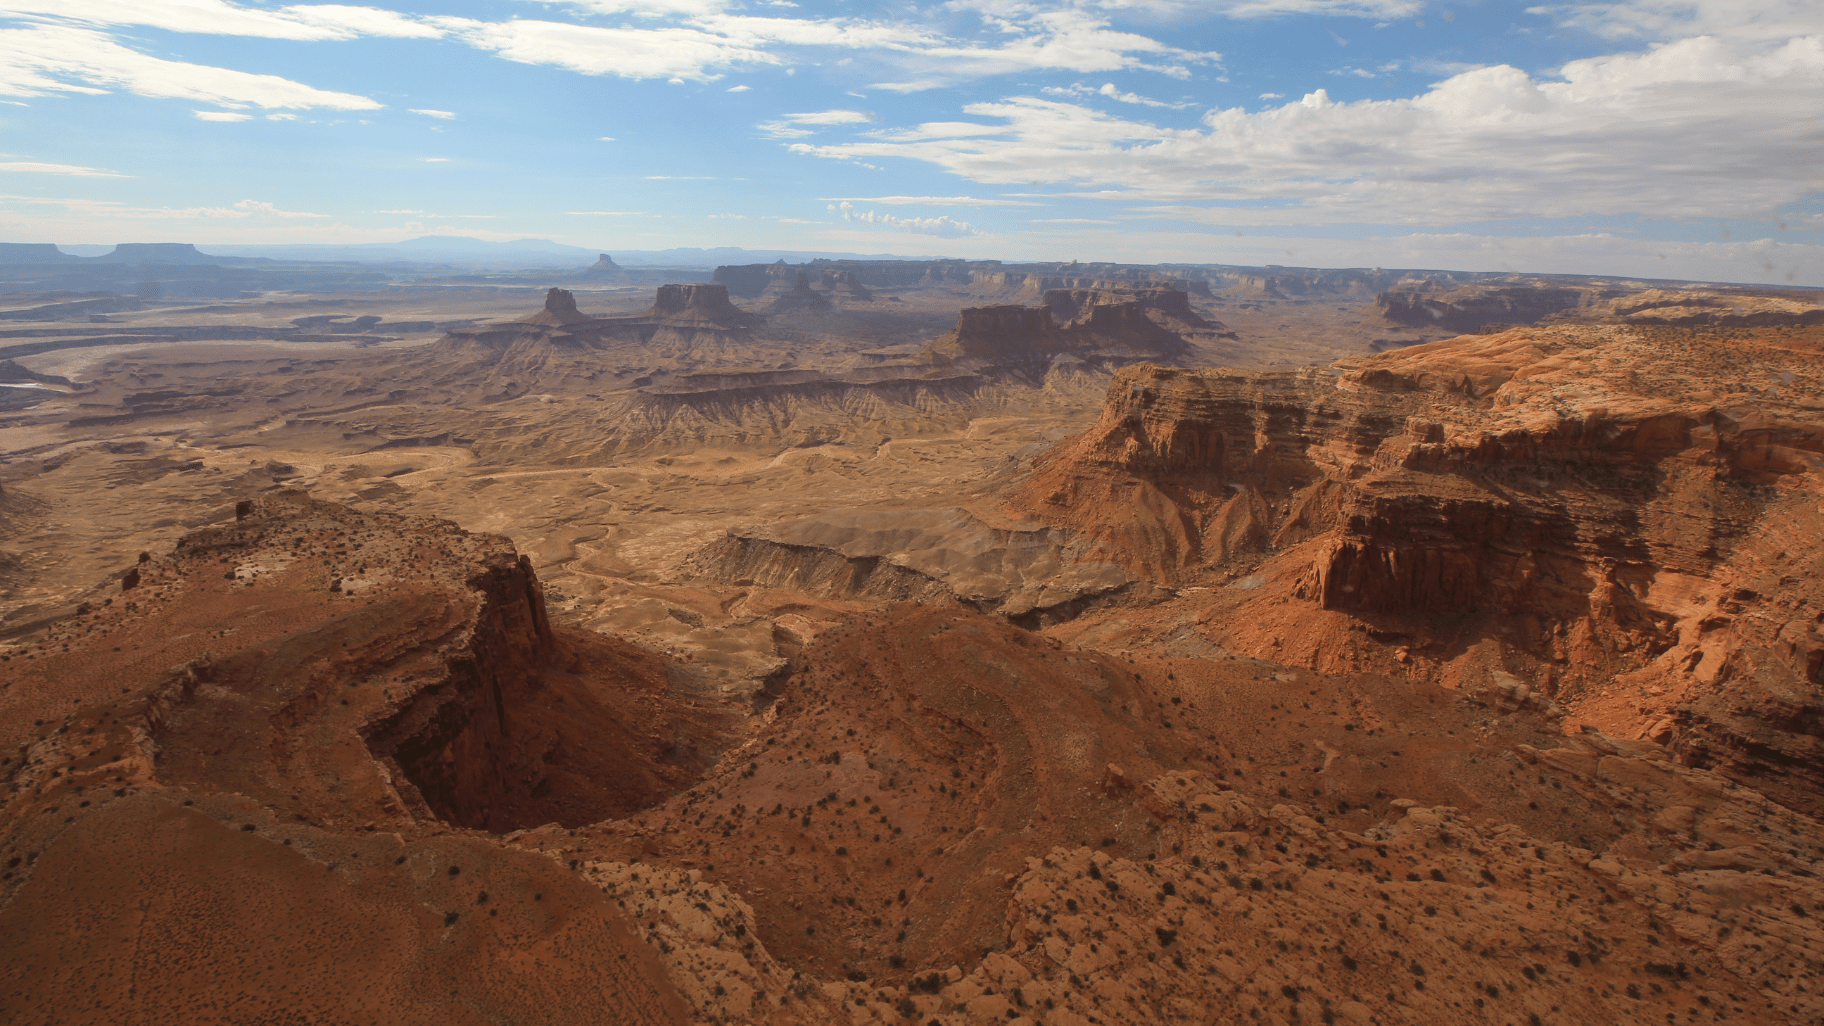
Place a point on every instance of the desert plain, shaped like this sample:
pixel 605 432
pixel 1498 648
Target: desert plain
pixel 915 643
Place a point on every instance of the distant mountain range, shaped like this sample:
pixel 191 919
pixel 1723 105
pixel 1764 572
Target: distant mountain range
pixel 526 253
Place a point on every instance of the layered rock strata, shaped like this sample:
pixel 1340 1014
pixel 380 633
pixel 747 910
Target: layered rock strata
pixel 1116 326
pixel 1607 506
pixel 348 687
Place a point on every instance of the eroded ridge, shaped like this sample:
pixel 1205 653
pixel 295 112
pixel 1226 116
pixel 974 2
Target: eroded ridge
pixel 350 690
pixel 1604 514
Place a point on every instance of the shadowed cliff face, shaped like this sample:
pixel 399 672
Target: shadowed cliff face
pixel 1605 504
pixel 348 687
pixel 1466 308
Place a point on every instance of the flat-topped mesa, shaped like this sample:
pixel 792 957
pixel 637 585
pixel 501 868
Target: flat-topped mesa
pixel 802 297
pixel 704 303
pixel 155 253
pixel 1003 334
pixel 1072 306
pixel 845 285
pixel 1000 333
pixel 604 262
pixel 1719 307
pixel 1470 307
pixel 560 310
pixel 34 253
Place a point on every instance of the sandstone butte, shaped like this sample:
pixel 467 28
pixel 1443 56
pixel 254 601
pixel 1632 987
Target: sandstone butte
pixel 327 765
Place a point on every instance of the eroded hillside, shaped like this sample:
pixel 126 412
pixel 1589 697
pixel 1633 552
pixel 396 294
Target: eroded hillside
pixel 997 676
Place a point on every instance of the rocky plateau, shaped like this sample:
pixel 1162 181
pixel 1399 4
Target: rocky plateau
pixel 918 643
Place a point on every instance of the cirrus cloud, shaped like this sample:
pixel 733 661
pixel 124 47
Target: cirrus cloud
pixel 47 59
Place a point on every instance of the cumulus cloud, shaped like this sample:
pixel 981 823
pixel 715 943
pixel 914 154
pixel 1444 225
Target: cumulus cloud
pixel 47 59
pixel 943 225
pixel 1702 128
pixel 441 115
pixel 220 115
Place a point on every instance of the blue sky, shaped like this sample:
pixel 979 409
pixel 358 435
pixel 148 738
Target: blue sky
pixel 1675 138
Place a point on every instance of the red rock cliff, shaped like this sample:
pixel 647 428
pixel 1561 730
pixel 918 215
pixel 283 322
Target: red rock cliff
pixel 1611 504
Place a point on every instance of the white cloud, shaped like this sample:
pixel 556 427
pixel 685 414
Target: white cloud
pixel 348 22
pixel 791 126
pixel 47 59
pixel 1071 220
pixel 111 209
pixel 1377 9
pixel 943 225
pixel 739 88
pixel 679 52
pixel 220 115
pixel 1670 19
pixel 32 167
pixel 938 130
pixel 441 115
pixel 255 208
pixel 1047 40
pixel 1699 128
pixel 605 138
pixel 218 17
pixel 655 8
pixel 281 116
pixel 435 160
pixel 708 42
pixel 934 201
pixel 1109 90
pixel 830 117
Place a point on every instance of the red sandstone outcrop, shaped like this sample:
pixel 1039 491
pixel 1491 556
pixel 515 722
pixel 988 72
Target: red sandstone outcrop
pixel 844 285
pixel 560 310
pixel 1116 327
pixel 1606 506
pixel 1469 307
pixel 927 824
pixel 559 347
pixel 701 304
pixel 1716 307
pixel 802 298
pixel 348 687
